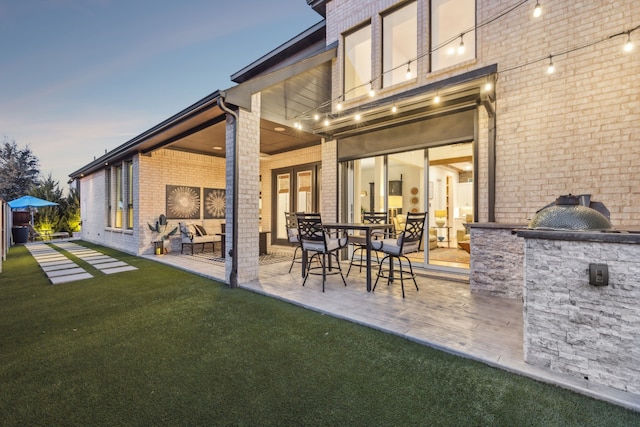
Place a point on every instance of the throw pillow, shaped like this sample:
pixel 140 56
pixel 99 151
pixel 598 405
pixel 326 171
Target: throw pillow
pixel 201 230
pixel 192 229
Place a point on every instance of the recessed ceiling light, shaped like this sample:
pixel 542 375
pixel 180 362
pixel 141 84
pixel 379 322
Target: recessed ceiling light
pixel 279 129
pixel 217 147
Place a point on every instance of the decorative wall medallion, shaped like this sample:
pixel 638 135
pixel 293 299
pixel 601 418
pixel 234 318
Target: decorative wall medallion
pixel 414 191
pixel 183 202
pixel 414 200
pixel 215 202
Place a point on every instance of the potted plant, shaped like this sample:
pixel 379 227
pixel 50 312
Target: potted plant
pixel 161 227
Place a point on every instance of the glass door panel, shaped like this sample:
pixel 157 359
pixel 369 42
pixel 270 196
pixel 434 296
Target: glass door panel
pixel 283 203
pixel 452 204
pixel 295 189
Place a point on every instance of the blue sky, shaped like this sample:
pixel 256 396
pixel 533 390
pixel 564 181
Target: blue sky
pixel 78 77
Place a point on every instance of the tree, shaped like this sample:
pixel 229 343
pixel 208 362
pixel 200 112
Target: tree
pixel 70 207
pixel 49 218
pixel 19 170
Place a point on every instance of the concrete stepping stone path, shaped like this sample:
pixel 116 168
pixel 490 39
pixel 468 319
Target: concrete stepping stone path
pixel 60 269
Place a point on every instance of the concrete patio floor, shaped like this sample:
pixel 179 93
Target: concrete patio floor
pixel 443 314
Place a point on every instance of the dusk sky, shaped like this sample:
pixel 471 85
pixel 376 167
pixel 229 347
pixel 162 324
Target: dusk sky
pixel 78 77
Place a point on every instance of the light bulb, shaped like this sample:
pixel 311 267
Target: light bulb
pixel 537 11
pixel 461 46
pixel 488 86
pixel 357 117
pixel 408 70
pixel 326 121
pixel 316 117
pixel 436 99
pixel 628 46
pixel 339 106
pixel 550 67
pixel 394 109
pixel 372 92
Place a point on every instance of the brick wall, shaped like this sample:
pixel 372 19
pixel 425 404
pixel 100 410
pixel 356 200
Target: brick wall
pixel 575 131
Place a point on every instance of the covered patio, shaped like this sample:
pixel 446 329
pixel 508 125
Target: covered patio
pixel 443 314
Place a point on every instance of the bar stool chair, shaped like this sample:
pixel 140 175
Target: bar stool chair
pixel 293 237
pixel 408 241
pixel 315 238
pixel 359 242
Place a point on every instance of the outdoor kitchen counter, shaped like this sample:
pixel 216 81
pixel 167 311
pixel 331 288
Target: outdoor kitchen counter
pixel 608 236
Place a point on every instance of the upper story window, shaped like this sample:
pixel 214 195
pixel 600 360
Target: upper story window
pixel 357 62
pixel 399 44
pixel 450 19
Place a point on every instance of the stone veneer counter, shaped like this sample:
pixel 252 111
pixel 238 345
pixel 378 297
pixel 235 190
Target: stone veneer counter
pixel 497 260
pixel 575 327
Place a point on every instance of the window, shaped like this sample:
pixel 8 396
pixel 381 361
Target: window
pixel 119 196
pixel 129 195
pixel 357 62
pixel 450 19
pixel 107 195
pixel 399 44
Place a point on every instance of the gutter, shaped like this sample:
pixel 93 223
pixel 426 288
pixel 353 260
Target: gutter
pixel 233 278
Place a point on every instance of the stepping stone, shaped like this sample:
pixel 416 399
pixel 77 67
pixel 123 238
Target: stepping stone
pixel 119 269
pixel 65 266
pixel 110 265
pixel 50 263
pixel 70 278
pixel 67 272
pixel 100 260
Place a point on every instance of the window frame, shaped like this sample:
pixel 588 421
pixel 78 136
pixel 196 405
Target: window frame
pixel 352 87
pixel 394 73
pixel 446 55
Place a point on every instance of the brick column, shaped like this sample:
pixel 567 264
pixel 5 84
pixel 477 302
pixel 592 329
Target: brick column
pixel 248 140
pixel 329 177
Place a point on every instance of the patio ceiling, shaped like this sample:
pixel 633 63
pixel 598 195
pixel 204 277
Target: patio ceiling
pixel 281 103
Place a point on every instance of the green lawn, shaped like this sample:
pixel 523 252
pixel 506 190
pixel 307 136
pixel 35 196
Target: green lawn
pixel 159 346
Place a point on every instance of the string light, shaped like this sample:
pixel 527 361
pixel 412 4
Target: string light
pixel 326 121
pixel 628 46
pixel 357 117
pixel 394 109
pixel 461 46
pixel 537 11
pixel 316 117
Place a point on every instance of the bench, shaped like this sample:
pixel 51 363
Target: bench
pixel 190 238
pixel 47 235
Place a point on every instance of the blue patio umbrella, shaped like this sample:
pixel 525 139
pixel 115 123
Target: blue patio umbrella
pixel 30 202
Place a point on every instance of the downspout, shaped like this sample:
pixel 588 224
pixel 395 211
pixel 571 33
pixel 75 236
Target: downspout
pixel 233 279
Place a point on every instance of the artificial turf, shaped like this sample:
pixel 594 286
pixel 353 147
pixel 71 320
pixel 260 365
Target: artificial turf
pixel 160 346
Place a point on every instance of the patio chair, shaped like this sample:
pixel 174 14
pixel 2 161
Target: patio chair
pixel 359 242
pixel 315 238
pixel 408 241
pixel 33 233
pixel 292 237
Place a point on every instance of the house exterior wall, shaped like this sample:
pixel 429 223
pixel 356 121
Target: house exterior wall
pixel 277 161
pixel 575 131
pixel 171 167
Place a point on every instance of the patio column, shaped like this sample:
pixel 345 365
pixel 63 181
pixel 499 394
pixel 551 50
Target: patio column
pixel 247 190
pixel 329 176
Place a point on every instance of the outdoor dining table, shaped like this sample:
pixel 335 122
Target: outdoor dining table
pixel 357 226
